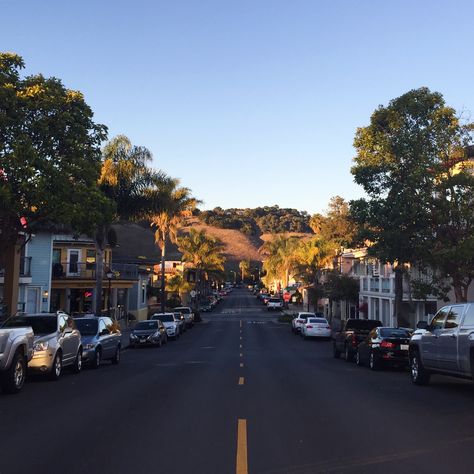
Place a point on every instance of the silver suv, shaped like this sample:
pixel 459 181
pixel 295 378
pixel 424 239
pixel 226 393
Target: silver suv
pixel 57 342
pixel 445 345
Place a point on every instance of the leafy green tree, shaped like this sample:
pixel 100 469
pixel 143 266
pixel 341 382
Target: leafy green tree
pixel 337 225
pixel 397 164
pixel 49 153
pixel 49 158
pixel 451 255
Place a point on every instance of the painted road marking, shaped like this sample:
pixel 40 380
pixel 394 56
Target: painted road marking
pixel 241 355
pixel 240 323
pixel 241 364
pixel 240 346
pixel 241 380
pixel 241 458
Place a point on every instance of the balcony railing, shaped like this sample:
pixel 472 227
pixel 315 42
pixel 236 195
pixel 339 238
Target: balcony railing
pixel 25 267
pixel 87 271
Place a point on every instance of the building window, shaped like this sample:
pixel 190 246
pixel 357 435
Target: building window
pixel 90 259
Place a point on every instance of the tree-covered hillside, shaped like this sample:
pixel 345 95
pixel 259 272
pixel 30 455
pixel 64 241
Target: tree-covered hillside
pixel 261 220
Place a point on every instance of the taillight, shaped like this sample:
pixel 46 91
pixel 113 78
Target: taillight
pixel 309 327
pixel 387 345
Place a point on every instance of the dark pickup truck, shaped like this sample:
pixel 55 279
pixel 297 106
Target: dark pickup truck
pixel 354 330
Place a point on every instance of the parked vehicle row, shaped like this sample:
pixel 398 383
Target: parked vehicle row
pixel 311 325
pixel 443 346
pixel 48 343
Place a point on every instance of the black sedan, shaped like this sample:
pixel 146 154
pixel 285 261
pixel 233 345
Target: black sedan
pixel 384 346
pixel 146 333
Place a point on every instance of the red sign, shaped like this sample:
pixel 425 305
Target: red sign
pixel 286 297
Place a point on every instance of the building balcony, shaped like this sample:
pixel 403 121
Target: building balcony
pixel 87 271
pixel 25 271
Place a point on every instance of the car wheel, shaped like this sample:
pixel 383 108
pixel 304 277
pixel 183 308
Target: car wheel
pixel 13 379
pixel 347 354
pixel 77 367
pixel 419 375
pixel 97 358
pixel 57 367
pixel 116 358
pixel 335 352
pixel 374 364
pixel 358 359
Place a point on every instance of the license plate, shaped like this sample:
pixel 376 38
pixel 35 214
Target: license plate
pixel 142 341
pixel 403 347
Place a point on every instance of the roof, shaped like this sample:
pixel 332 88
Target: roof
pixel 136 244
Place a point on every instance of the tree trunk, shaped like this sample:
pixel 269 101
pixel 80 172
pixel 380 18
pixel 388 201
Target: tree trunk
pixel 398 309
pixel 99 270
pixel 163 278
pixel 460 291
pixel 12 277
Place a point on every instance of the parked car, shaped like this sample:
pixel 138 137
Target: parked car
pixel 352 333
pixel 16 350
pixel 179 318
pixel 274 304
pixel 384 346
pixel 188 314
pixel 300 319
pixel 146 333
pixel 316 327
pixel 445 345
pixel 101 339
pixel 170 322
pixel 57 342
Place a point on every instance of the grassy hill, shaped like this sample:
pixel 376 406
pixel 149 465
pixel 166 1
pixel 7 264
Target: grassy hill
pixel 238 245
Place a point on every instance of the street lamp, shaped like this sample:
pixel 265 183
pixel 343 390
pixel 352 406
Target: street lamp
pixel 109 277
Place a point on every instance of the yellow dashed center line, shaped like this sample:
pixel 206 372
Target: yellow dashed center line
pixel 241 466
pixel 241 380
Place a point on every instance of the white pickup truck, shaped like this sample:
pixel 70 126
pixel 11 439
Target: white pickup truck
pixel 16 350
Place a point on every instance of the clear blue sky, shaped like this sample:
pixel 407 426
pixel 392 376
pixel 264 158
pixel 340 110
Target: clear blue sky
pixel 249 102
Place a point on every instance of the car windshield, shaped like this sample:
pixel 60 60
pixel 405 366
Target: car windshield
pixel 87 327
pixel 39 324
pixel 393 332
pixel 274 300
pixel 144 325
pixel 363 324
pixel 165 318
pixel 185 310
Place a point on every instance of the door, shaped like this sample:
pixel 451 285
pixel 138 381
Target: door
pixel 65 340
pixel 430 339
pixel 105 339
pixel 32 300
pixel 73 259
pixel 448 340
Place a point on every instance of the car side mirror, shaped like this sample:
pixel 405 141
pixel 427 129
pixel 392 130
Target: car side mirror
pixel 422 325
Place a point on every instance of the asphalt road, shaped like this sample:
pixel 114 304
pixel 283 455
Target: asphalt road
pixel 237 393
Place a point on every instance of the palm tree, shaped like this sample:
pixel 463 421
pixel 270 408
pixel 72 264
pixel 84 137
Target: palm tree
pixel 134 189
pixel 204 253
pixel 280 258
pixel 178 205
pixel 244 266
